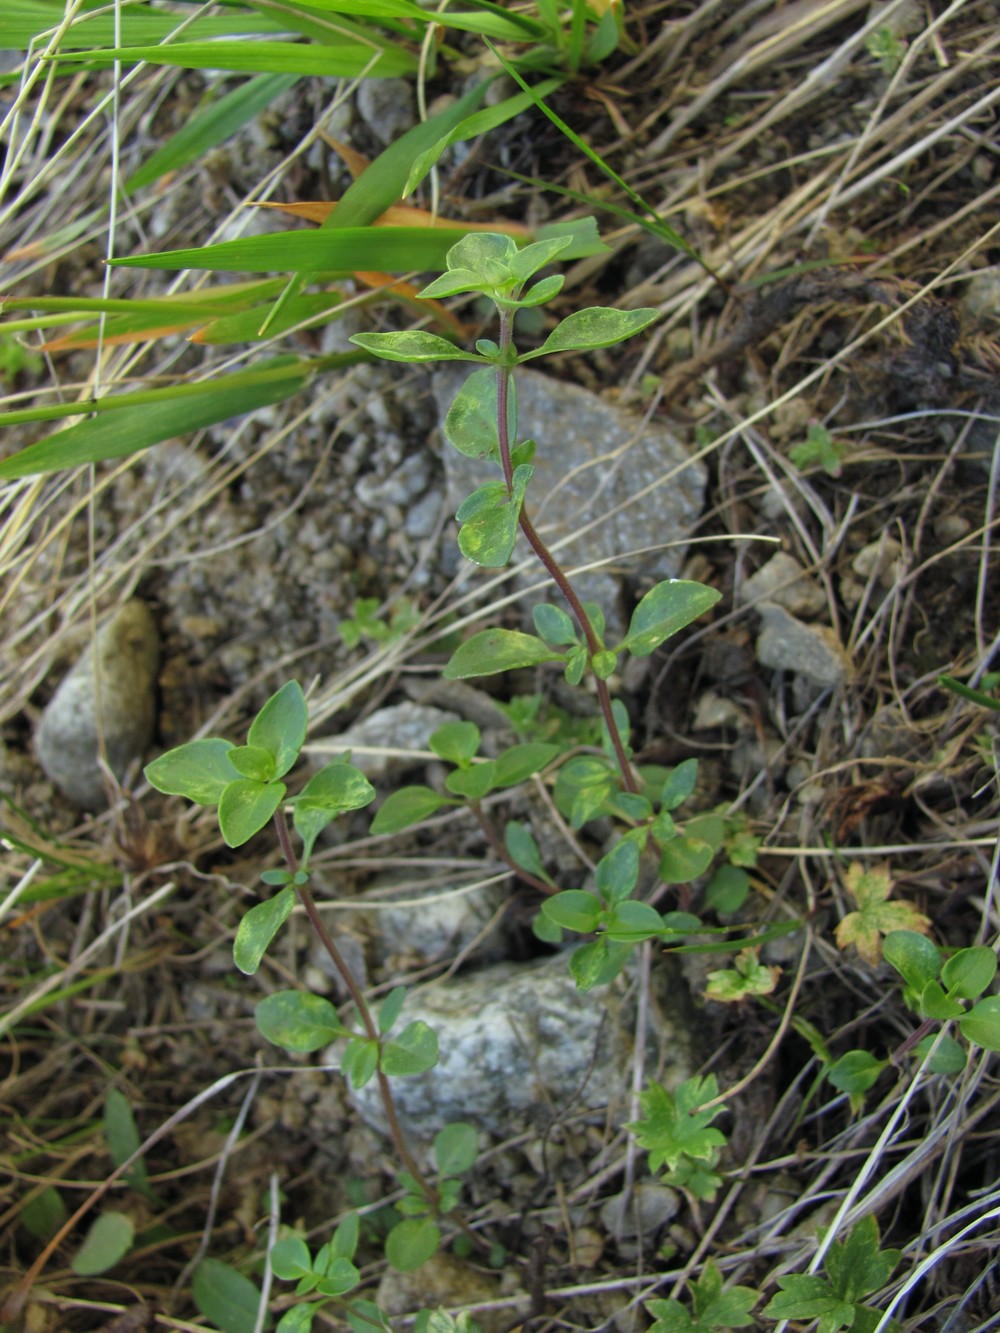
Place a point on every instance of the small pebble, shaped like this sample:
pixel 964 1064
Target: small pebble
pixel 126 655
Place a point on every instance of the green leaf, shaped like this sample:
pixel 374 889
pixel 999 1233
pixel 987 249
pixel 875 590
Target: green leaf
pixel 554 624
pixel 593 328
pixel 748 977
pixel 666 609
pixel 934 1003
pixel 335 789
pixel 471 423
pixel 410 345
pixel 684 859
pixel 489 519
pixel 982 1023
pixel 810 1297
pixel 876 916
pixel 673 1126
pixel 598 964
pixel 855 1072
pixel 360 1061
pixel 258 928
pixel 409 805
pixel 573 909
pixel 298 1319
pixel 913 956
pixel 713 1307
pixel 298 1021
pixel 411 1243
pixel 472 784
pixel 346 60
pixel 532 258
pixel 280 726
pixel 345 1239
pixel 948 1058
pixel 604 664
pixel 290 1259
pixel 134 423
pixel 966 692
pixel 494 650
pixel 618 872
pixel 727 890
pixel 199 770
pixel 456 742
pixel 414 1051
pixel 630 922
pixel 679 784
pixel 519 762
pixel 856 1266
pixel 365 1317
pixel 250 761
pixel 520 842
pixel 227 1298
pixel 456 1148
pixel 245 807
pixel 391 1008
pixel 44 1214
pixel 122 1134
pixel 968 972
pixel 107 1241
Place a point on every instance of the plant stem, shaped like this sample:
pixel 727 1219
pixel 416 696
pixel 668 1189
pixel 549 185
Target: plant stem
pixel 364 1012
pixel 496 842
pixel 548 560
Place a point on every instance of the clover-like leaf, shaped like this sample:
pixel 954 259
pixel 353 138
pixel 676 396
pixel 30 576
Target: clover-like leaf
pixel 876 916
pixel 748 976
pixel 673 1126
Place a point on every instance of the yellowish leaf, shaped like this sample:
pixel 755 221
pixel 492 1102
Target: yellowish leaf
pixel 876 915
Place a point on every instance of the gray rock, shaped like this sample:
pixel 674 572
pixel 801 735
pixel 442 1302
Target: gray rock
pixel 433 925
pixel 783 582
pixel 387 106
pixel 640 1211
pixel 123 660
pixel 397 729
pixel 592 456
pixel 519 1044
pixel 812 651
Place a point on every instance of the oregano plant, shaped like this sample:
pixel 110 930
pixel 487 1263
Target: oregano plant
pixel 616 910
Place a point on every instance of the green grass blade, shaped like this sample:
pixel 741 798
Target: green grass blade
pixel 24 20
pixel 135 426
pixel 380 186
pixel 211 126
pixel 348 250
pixel 648 217
pixel 479 122
pixel 345 61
